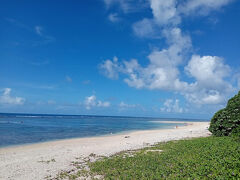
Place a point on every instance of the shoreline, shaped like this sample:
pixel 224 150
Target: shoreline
pixel 39 160
pixel 185 123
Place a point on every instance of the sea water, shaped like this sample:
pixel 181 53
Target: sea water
pixel 16 129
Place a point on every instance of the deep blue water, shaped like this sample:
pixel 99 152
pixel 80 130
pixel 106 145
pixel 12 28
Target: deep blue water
pixel 18 129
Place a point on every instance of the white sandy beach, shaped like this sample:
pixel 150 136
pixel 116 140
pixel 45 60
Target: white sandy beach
pixel 38 161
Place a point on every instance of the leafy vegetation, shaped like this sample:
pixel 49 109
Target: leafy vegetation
pixel 200 158
pixel 227 120
pixel 215 157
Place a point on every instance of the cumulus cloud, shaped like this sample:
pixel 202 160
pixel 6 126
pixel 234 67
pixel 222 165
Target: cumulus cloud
pixel 172 106
pixel 6 98
pixel 91 101
pixel 208 70
pixel 210 86
pixel 145 28
pixel 110 68
pixel 165 12
pixel 205 96
pixel 170 13
pixel 162 71
pixel 207 75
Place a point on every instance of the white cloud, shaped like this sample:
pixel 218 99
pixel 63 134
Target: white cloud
pixel 6 98
pixel 210 86
pixel 103 104
pixel 124 105
pixel 108 3
pixel 145 28
pixel 161 73
pixel 207 82
pixel 124 5
pixel 203 96
pixel 170 13
pixel 208 71
pixel 127 6
pixel 110 68
pixel 91 101
pixel 113 17
pixel 165 12
pixel 172 106
pixel 201 7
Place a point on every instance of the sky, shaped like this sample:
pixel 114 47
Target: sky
pixel 155 58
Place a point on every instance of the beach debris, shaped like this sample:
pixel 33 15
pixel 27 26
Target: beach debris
pixel 126 136
pixel 92 155
pixel 48 161
pixel 80 169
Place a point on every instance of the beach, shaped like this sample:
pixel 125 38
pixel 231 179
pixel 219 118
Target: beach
pixel 45 160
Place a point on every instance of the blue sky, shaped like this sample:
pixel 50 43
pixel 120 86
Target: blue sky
pixel 119 57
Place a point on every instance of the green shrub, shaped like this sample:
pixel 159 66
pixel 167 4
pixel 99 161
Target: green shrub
pixel 200 158
pixel 236 132
pixel 227 120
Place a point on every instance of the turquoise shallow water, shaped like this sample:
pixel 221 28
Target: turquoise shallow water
pixel 16 129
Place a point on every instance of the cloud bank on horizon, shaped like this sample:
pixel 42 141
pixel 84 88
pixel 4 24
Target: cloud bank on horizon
pixel 91 101
pixel 209 75
pixel 7 99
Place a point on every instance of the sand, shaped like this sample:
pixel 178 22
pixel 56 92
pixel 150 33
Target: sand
pixel 38 161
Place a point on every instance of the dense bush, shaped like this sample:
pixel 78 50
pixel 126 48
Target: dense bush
pixel 227 120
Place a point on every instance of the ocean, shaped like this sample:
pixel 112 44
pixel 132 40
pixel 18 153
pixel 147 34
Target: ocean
pixel 17 129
